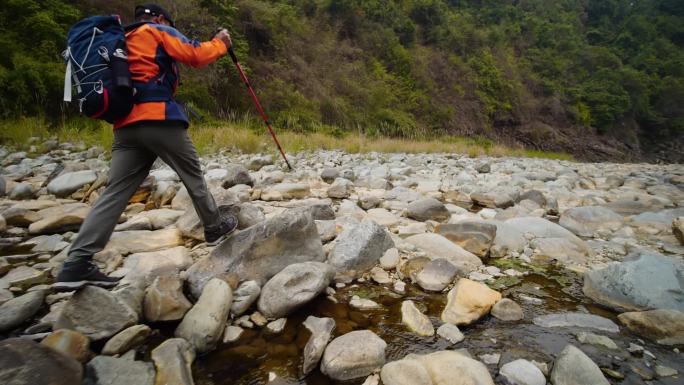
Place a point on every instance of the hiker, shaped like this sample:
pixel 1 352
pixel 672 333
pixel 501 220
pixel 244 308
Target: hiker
pixel 155 127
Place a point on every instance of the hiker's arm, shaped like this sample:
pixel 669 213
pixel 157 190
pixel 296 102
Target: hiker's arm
pixel 190 52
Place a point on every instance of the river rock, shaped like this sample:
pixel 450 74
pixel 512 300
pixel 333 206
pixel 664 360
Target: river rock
pixel 468 301
pixel 428 209
pixel 588 221
pixel 67 183
pixel 286 191
pixel 475 237
pixel 164 300
pixel 21 191
pixel 415 320
pixel 249 215
pixel 96 313
pixel 507 310
pixel 17 310
pixel 148 266
pixel 245 295
pixel 173 359
pixel 341 188
pixel 105 370
pixel 353 355
pixel 359 247
pixel 293 287
pixel 495 198
pixel 522 372
pixel 638 283
pixel 329 175
pixel 24 277
pixel 203 325
pixel 665 326
pixel 579 320
pixel 19 216
pixel 3 186
pixel 450 333
pixel 390 259
pixel 437 246
pixel 60 218
pixel 321 331
pixel 126 340
pixel 437 275
pixel 130 242
pixel 596 340
pixel 71 343
pixel 236 174
pixel 573 367
pixel 678 229
pixel 441 367
pixel 405 372
pixel 263 250
pixel 232 334
pixel 24 362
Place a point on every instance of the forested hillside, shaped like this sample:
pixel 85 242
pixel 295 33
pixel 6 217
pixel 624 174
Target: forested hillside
pixel 598 78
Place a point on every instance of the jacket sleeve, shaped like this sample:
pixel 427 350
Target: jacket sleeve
pixel 190 52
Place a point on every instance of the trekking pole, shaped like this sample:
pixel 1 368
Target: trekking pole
pixel 257 104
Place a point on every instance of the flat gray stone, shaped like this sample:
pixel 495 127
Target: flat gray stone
pixel 579 320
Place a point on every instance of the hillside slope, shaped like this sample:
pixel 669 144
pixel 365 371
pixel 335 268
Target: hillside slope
pixel 602 79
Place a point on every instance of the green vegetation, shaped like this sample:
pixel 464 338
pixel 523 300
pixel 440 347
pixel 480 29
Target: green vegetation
pixel 246 137
pixel 546 74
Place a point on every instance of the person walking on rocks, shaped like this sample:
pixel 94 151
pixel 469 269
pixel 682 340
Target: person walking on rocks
pixel 155 127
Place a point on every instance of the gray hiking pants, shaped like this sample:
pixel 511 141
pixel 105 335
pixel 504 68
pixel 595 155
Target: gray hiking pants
pixel 134 151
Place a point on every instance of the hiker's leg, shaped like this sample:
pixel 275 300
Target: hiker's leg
pixel 174 147
pixel 131 163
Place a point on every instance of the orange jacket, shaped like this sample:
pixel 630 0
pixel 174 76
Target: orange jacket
pixel 153 50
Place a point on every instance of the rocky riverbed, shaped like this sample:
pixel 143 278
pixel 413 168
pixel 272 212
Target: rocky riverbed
pixel 394 269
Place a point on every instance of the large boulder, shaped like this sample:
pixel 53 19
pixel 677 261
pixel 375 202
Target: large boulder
pixel 353 355
pixel 24 362
pixel 203 325
pixel 644 281
pixel 17 310
pixel 96 313
pixel 105 370
pixel 476 237
pixel 293 287
pixel 665 326
pixel 67 183
pixel 359 247
pixel 261 251
pixel 321 331
pixel 501 197
pixel 428 209
pixel 573 367
pixel 437 246
pixel 468 301
pixel 588 221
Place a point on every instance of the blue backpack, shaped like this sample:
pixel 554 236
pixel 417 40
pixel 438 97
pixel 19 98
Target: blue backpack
pixel 97 67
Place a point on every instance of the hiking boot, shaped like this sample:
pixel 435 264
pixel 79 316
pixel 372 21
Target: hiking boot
pixel 215 236
pixel 79 273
